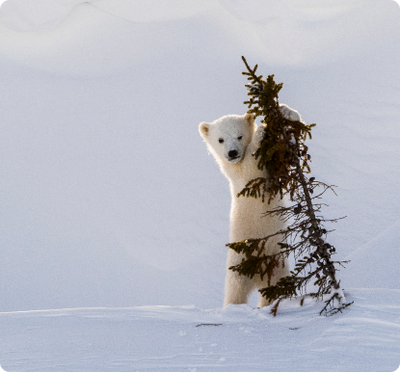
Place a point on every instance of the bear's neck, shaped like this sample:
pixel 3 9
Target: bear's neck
pixel 240 173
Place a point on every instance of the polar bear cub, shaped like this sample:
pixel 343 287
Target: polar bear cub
pixel 232 140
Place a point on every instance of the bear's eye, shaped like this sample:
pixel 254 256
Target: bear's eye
pixel 221 140
pixel 240 137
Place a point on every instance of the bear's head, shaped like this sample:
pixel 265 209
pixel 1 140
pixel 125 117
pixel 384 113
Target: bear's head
pixel 228 137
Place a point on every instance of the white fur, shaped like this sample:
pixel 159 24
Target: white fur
pixel 246 216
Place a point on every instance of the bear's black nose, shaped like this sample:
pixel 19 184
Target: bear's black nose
pixel 233 154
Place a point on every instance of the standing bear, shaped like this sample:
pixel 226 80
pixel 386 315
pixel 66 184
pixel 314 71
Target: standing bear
pixel 232 140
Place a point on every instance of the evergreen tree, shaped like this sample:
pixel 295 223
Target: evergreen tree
pixel 284 156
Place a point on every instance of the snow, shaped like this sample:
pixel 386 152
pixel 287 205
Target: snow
pixel 237 338
pixel 113 214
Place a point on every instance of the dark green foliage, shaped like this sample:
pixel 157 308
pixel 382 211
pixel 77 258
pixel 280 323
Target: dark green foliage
pixel 282 148
pixel 283 154
pixel 255 261
pixel 255 188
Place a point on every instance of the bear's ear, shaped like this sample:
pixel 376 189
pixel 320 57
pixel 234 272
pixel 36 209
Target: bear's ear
pixel 250 118
pixel 204 129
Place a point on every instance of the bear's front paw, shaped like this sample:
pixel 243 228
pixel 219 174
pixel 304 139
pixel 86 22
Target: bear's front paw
pixel 259 134
pixel 288 113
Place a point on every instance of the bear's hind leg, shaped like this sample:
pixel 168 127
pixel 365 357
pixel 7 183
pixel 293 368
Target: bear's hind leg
pixel 279 273
pixel 263 302
pixel 237 289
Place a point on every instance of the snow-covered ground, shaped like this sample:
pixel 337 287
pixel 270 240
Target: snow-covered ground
pixel 113 213
pixel 237 338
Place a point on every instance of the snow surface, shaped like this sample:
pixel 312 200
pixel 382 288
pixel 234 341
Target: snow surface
pixel 113 213
pixel 237 338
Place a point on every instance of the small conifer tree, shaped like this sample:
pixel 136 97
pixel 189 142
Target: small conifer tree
pixel 284 156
